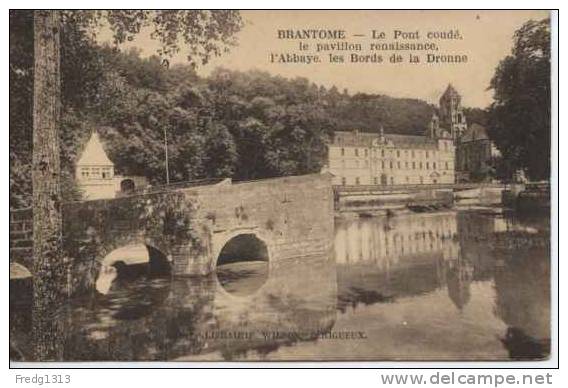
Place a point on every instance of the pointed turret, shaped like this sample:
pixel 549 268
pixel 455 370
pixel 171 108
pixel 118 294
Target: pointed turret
pixel 94 153
pixel 94 162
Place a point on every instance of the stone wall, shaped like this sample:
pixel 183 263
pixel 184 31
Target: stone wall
pixel 293 216
pixel 21 238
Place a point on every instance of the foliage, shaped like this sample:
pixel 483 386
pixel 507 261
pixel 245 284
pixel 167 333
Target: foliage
pixel 85 81
pixel 520 115
pixel 244 125
pixel 476 115
pixel 398 115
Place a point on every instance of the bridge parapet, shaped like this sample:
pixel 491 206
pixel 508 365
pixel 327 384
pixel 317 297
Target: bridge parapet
pixel 293 216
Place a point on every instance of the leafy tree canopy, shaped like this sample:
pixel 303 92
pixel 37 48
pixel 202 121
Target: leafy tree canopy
pixel 519 119
pixel 244 125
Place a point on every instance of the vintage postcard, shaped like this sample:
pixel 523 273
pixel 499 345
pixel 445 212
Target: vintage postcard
pixel 280 185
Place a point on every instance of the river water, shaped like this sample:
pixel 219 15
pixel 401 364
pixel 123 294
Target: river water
pixel 457 285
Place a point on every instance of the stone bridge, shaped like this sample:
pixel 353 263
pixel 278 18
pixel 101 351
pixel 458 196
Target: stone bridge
pixel 192 228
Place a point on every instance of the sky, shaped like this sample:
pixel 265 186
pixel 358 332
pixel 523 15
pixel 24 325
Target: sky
pixel 486 39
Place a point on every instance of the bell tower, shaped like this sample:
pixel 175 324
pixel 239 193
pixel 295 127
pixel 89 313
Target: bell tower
pixel 451 113
pixel 434 129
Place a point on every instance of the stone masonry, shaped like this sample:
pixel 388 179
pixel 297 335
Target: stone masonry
pixel 293 216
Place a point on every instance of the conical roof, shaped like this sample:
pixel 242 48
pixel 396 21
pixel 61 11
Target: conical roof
pixel 94 153
pixel 450 91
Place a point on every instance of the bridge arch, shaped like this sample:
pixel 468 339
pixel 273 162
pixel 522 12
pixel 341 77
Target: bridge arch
pixel 243 247
pixel 19 271
pixel 117 260
pixel 239 245
pixel 242 264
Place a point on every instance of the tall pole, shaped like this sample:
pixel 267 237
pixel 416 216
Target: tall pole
pixel 49 267
pixel 166 148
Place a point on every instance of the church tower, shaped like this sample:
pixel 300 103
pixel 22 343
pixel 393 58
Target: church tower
pixel 451 113
pixel 434 128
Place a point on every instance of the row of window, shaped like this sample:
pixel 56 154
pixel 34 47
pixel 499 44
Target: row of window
pixel 384 180
pixel 365 152
pixel 407 165
pixel 96 172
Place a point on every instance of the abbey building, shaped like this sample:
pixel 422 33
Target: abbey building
pixel 475 152
pixel 447 152
pixel 357 158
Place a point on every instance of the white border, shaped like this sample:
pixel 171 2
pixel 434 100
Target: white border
pixel 146 378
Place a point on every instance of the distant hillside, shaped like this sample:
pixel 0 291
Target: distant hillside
pixel 367 112
pixel 405 116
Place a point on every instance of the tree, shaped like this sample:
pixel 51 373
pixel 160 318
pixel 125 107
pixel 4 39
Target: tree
pixel 519 119
pixel 204 33
pixel 47 220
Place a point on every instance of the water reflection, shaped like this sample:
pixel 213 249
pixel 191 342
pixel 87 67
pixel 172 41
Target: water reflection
pixel 454 285
pixel 403 275
pixel 163 319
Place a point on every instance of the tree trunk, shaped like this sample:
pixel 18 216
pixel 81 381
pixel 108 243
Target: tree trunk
pixel 49 271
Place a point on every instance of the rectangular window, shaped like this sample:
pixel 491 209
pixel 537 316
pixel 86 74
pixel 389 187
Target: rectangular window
pixel 447 168
pixel 357 182
pixel 398 165
pixel 106 173
pixel 398 154
pixel 434 165
pixel 343 152
pixel 427 165
pixel 356 151
pixel 421 165
pixel 414 165
pixel 390 165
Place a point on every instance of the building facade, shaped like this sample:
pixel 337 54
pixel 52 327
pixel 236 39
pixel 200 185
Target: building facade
pixel 358 158
pixel 475 154
pixel 449 151
pixel 95 175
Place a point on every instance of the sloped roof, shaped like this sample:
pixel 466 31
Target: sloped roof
pixel 411 141
pixel 474 132
pixel 94 153
pixel 450 91
pixel 365 139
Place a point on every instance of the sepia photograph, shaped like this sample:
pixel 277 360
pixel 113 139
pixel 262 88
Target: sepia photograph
pixel 280 185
